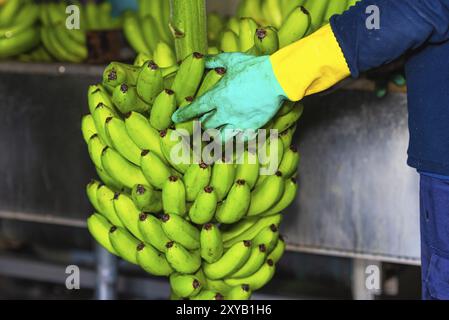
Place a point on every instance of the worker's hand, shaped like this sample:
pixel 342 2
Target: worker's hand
pixel 247 97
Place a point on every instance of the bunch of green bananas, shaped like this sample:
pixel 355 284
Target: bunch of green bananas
pixel 18 27
pixel 213 229
pixel 287 21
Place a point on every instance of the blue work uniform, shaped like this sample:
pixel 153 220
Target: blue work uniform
pixel 419 31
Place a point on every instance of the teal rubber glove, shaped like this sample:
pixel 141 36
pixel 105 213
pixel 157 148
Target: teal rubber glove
pixel 247 97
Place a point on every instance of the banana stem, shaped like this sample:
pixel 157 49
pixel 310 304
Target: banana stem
pixel 188 25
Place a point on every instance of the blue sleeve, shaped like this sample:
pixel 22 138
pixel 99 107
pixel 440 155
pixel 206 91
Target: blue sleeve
pixel 118 6
pixel 404 25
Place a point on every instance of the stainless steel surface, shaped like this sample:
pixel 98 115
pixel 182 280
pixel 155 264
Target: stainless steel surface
pixel 356 194
pixel 107 274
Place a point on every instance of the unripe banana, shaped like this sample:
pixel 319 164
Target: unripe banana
pixel 181 259
pixel 211 243
pixel 284 122
pixel 289 163
pixel 278 250
pixel 286 136
pixel 95 148
pixel 100 114
pixel 248 168
pixel 128 213
pixel 24 20
pixel 247 29
pixel 143 134
pixel 181 231
pixel 252 231
pixel 240 292
pixel 154 169
pixel 286 108
pixel 203 208
pixel 116 131
pixel 266 40
pixel 317 9
pixel 271 9
pixel 250 8
pixel 229 41
pixel 287 198
pixel 208 295
pixel 238 228
pixel 215 25
pixel 152 261
pixel 258 279
pixel 234 25
pixel 117 73
pixel 268 236
pixel 218 286
pixel 8 11
pixel 88 127
pixel 133 32
pixel 231 261
pixel 222 179
pixel 141 59
pixel 164 55
pixel 287 6
pixel 148 26
pixel 267 194
pixel 189 76
pixel 236 204
pixel 124 244
pixel 126 99
pixel 151 229
pixel 174 149
pixel 210 80
pixel 97 95
pixel 187 126
pixel 108 180
pixel 120 169
pixel 196 179
pixel 295 26
pixel 255 261
pixel 150 82
pixel 99 227
pixel 270 154
pixel 91 191
pixel 174 196
pixel 334 7
pixel 163 108
pixel 105 198
pixel 146 198
pixel 185 286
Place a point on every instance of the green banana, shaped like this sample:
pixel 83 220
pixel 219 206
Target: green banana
pixel 116 131
pixel 249 232
pixel 236 204
pixel 180 230
pixel 287 198
pixel 271 9
pixel 24 20
pixel 268 237
pixel 229 41
pixel 222 179
pixel 107 179
pixel 208 295
pixel 295 26
pixel 181 259
pixel 51 39
pixel 92 15
pixel 174 196
pixel 211 243
pixel 234 25
pixel 163 108
pixel 187 126
pixel 164 55
pixel 133 32
pixel 189 76
pixel 154 169
pixel 240 292
pixel 286 136
pixel 286 108
pixel 143 134
pixel 255 261
pixel 105 198
pixel 196 178
pixel 66 38
pixel 278 250
pixel 95 148
pixel 88 127
pixel 126 99
pixel 267 194
pixel 148 26
pixel 100 114
pixel 152 261
pixel 289 163
pixel 151 229
pixel 210 80
pixel 8 11
pixel 266 40
pixel 150 82
pixel 215 25
pixel 128 213
pixel 286 121
pixel 317 9
pixel 258 279
pixel 146 198
pixel 97 95
pixel 120 169
pixel 124 244
pixel 172 141
pixel 117 73
pixel 250 8
pixel 91 191
pixel 141 59
pixel 238 228
pixel 248 168
pixel 99 227
pixel 334 7
pixel 19 43
pixel 247 29
pixel 203 208
pixel 185 286
pixel 287 6
pixel 231 261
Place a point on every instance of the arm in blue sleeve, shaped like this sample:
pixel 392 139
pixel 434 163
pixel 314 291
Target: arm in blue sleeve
pixel 405 25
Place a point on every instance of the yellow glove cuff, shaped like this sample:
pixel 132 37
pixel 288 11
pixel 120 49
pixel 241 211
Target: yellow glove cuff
pixel 310 65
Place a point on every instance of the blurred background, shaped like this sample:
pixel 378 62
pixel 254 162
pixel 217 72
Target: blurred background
pixel 347 225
